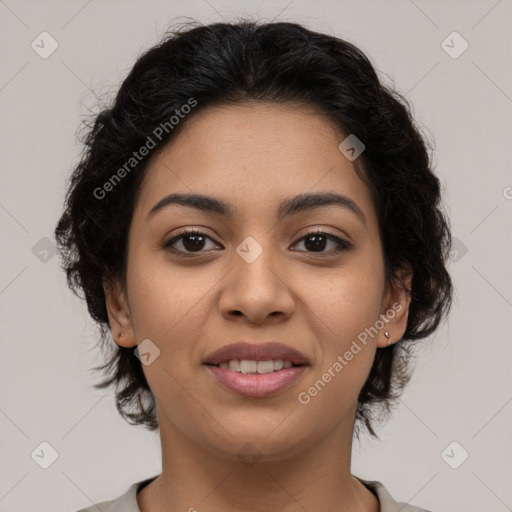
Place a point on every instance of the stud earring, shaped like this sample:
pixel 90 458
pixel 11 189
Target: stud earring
pixel 388 336
pixel 121 334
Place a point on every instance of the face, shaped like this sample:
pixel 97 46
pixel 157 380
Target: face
pixel 264 265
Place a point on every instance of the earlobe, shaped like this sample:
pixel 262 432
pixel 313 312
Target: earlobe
pixel 118 315
pixel 121 339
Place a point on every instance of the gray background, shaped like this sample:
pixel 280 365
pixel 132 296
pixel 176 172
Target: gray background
pixel 461 388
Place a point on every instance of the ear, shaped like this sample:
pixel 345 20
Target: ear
pixel 395 308
pixel 119 314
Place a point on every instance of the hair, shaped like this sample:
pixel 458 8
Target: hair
pixel 249 61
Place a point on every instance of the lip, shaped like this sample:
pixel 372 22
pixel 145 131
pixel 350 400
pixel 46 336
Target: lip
pixel 256 352
pixel 257 385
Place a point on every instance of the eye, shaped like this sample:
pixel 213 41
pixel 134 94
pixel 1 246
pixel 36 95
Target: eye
pixel 188 242
pixel 317 241
pixel 194 241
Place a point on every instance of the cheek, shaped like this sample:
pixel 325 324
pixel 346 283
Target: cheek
pixel 345 310
pixel 168 307
pixel 164 301
pixel 343 303
pixel 346 354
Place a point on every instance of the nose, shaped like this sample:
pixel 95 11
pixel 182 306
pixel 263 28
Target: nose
pixel 257 292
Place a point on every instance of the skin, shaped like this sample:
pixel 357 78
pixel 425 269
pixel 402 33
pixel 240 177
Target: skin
pixel 253 156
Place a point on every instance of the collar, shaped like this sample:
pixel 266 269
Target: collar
pixel 128 501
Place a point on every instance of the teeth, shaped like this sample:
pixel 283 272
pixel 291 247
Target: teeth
pixel 246 366
pixel 234 365
pixel 265 366
pixel 278 364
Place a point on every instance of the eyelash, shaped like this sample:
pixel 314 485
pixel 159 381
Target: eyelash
pixel 342 245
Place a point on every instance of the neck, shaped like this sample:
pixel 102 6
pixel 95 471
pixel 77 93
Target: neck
pixel 317 478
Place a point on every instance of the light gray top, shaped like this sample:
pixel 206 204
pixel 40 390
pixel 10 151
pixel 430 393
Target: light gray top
pixel 128 501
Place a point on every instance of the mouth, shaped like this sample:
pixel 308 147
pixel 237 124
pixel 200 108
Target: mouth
pixel 256 352
pixel 256 370
pixel 249 367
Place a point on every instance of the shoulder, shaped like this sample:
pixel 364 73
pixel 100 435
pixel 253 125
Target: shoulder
pixel 124 503
pixel 387 502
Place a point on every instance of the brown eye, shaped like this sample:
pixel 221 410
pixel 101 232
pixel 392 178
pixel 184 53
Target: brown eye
pixel 318 241
pixel 189 242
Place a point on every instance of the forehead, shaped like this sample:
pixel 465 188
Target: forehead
pixel 253 155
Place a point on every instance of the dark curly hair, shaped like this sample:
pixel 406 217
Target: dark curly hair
pixel 229 63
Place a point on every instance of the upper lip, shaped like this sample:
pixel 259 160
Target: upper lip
pixel 256 352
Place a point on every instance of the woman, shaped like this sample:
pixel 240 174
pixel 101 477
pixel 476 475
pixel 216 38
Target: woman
pixel 256 224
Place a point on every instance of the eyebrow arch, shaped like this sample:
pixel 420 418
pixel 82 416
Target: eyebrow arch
pixel 287 207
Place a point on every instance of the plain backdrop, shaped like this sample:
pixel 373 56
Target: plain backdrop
pixel 461 390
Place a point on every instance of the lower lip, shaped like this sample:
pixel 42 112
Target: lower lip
pixel 254 384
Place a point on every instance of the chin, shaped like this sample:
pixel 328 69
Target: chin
pixel 258 444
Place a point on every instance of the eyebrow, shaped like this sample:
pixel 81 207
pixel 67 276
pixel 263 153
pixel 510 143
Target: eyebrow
pixel 287 207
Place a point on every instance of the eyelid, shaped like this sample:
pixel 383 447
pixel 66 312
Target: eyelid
pixel 168 243
pixel 325 231
pixel 320 230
